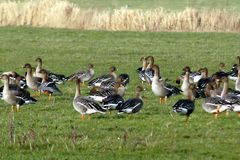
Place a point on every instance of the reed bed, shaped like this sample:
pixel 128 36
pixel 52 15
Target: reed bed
pixel 63 14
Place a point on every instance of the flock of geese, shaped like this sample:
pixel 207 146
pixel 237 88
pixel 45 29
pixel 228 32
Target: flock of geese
pixel 106 91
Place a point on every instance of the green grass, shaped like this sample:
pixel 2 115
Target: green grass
pixel 154 133
pixel 168 4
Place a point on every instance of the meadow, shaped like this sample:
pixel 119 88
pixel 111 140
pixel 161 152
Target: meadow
pixel 54 130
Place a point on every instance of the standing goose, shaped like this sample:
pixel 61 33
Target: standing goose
pixel 112 76
pixel 233 73
pixel 32 82
pixel 212 103
pixel 141 70
pixel 231 98
pixel 14 95
pixel 237 83
pixel 202 83
pixel 47 87
pixel 132 105
pixel 160 88
pixel 185 85
pixel 149 71
pixel 84 75
pixel 185 106
pixel 84 105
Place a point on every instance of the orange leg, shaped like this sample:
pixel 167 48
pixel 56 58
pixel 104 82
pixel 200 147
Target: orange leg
pixel 165 99
pixel 160 100
pixel 238 113
pixel 89 117
pixel 50 97
pixel 83 117
pixel 227 113
pixel 215 115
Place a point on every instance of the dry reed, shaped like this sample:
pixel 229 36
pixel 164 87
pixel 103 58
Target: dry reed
pixel 63 14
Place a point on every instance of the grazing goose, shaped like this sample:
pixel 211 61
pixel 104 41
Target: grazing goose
pixel 160 88
pixel 212 103
pixel 125 79
pixel 84 75
pixel 47 87
pixel 57 78
pixel 132 105
pixel 14 95
pixel 112 76
pixel 185 106
pixel 99 94
pixel 84 105
pixel 32 82
pixel 113 102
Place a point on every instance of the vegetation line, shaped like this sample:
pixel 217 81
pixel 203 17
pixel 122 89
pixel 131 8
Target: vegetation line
pixel 63 14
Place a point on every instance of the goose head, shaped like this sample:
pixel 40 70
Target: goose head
pixel 38 60
pixel 150 61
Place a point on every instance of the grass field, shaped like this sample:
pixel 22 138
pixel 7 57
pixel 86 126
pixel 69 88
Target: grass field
pixel 56 131
pixel 167 4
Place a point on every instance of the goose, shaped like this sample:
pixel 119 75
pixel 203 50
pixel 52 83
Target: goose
pixel 185 106
pixel 212 103
pixel 141 70
pixel 231 98
pixel 112 102
pixel 14 95
pixel 202 83
pixel 84 105
pixel 132 105
pixel 112 76
pixel 237 83
pixel 185 85
pixel 47 87
pixel 233 73
pixel 160 88
pixel 125 78
pixel 84 75
pixel 99 94
pixel 149 71
pixel 16 78
pixel 194 76
pixel 57 78
pixel 32 82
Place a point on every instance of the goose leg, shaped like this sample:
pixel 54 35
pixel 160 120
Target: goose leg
pixel 18 108
pixel 238 114
pixel 89 117
pixel 215 115
pixel 160 100
pixel 165 99
pixel 83 84
pixel 12 108
pixel 187 117
pixel 227 113
pixel 82 117
pixel 49 97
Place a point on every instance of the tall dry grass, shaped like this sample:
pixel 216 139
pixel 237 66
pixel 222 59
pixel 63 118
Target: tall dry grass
pixel 63 14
